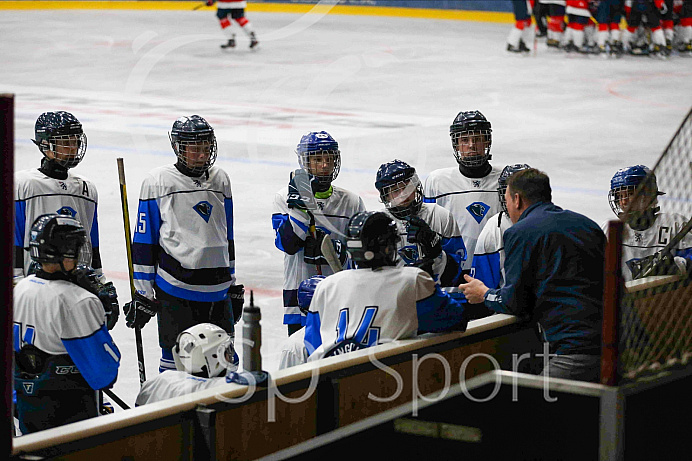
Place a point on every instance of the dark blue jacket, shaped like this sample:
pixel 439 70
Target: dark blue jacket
pixel 554 271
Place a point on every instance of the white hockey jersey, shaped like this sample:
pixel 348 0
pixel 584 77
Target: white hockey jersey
pixel 36 194
pixel 640 244
pixel 472 201
pixel 291 228
pixel 293 351
pixel 377 306
pixel 489 257
pixel 183 240
pixel 173 383
pixel 441 221
pixel 59 318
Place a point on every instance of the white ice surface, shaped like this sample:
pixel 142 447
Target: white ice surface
pixel 385 88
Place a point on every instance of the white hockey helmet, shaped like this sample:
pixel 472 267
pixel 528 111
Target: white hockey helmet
pixel 204 350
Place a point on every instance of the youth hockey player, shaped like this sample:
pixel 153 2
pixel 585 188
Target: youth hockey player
pixel 236 10
pixel 489 257
pixel 63 350
pixel 377 302
pixel 54 188
pixel 428 232
pixel 469 190
pixel 183 249
pixel 522 32
pixel 647 230
pixel 293 351
pixel 319 155
pixel 203 354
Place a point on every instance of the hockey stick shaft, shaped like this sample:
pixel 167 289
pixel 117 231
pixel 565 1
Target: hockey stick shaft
pixel 201 5
pixel 116 399
pixel 330 255
pixel 302 182
pixel 128 247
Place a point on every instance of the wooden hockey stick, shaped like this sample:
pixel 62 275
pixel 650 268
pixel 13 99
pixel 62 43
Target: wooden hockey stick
pixel 330 255
pixel 128 246
pixel 201 5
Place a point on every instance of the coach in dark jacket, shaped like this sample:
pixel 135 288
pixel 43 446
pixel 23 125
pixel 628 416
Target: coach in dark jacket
pixel 554 272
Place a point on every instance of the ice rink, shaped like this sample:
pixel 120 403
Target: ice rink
pixel 384 87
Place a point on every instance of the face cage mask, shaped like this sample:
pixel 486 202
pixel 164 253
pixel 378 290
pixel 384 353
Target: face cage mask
pixel 471 161
pixel 181 146
pixel 614 196
pixel 335 159
pixel 82 254
pixel 402 190
pixel 67 161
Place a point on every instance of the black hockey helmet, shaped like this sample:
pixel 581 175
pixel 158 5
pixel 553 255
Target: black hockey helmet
pixel 54 237
pixel 474 127
pixel 397 181
pixel 372 239
pixel 193 134
pixel 507 171
pixel 61 134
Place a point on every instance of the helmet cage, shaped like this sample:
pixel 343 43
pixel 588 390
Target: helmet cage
pixel 397 199
pixel 507 171
pixel 331 156
pixel 372 239
pixel 193 133
pixel 204 350
pixel 62 134
pixel 469 156
pixel 637 185
pixel 56 237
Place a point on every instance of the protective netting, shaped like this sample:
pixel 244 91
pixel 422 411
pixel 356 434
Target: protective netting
pixel 655 312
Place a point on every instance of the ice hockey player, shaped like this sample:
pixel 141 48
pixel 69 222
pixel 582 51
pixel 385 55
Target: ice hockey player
pixel 640 13
pixel 522 32
pixel 63 350
pixel 469 190
pixel 647 230
pixel 608 14
pixel 318 155
pixel 428 233
pixel 293 351
pixel 377 302
pixel 183 247
pixel 54 188
pixel 489 257
pixel 236 10
pixel 203 354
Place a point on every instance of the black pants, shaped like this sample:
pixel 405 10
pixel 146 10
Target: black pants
pixel 177 315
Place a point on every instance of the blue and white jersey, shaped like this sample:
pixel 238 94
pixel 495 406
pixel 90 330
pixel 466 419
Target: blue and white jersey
pixel 59 318
pixel 173 383
pixel 291 228
pixel 183 240
pixel 637 244
pixel 377 306
pixel 441 221
pixel 472 201
pixel 36 194
pixel 489 257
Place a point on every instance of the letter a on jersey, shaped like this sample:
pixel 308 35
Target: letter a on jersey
pixel 478 210
pixel 203 208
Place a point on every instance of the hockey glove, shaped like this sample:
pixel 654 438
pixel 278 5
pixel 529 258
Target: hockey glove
pixel 140 310
pixel 87 278
pixel 211 2
pixel 296 199
pixel 109 299
pixel 236 296
pixel 312 252
pixel 418 231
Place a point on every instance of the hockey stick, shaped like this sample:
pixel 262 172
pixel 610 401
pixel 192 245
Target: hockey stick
pixel 116 399
pixel 330 255
pixel 201 5
pixel 128 247
pixel 302 181
pixel 648 265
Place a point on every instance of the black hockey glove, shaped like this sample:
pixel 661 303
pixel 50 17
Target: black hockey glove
pixel 312 253
pixel 87 278
pixel 236 296
pixel 139 311
pixel 297 200
pixel 418 231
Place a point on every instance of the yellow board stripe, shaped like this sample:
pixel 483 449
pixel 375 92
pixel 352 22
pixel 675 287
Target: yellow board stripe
pixel 426 13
